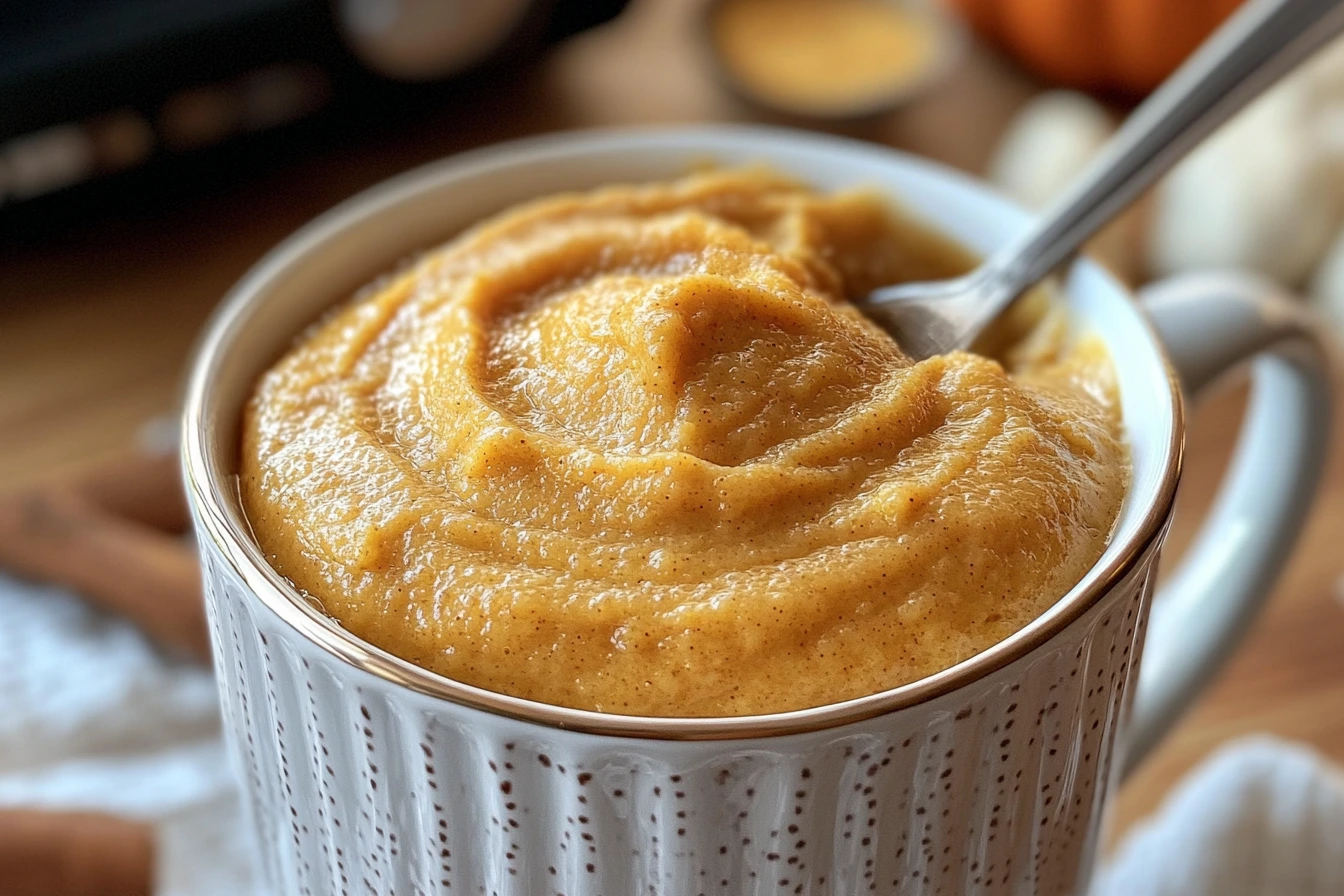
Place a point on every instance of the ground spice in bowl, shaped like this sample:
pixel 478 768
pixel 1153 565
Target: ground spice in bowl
pixel 828 58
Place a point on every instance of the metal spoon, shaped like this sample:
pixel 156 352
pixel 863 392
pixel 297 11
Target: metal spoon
pixel 1253 49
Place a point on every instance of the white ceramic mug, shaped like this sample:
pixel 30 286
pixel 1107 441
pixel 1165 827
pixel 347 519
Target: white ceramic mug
pixel 364 774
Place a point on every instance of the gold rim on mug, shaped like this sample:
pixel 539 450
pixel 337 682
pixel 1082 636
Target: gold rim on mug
pixel 226 527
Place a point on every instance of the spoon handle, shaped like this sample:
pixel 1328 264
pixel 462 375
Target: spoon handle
pixel 1260 43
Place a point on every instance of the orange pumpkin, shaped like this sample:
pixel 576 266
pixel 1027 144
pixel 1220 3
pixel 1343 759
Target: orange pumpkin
pixel 1108 46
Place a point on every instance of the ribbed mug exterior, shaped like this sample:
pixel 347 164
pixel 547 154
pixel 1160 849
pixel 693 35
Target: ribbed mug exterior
pixel 356 785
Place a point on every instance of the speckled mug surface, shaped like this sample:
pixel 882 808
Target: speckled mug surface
pixel 366 775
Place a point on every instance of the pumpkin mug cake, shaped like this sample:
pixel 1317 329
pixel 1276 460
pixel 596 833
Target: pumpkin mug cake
pixel 630 448
pixel 634 451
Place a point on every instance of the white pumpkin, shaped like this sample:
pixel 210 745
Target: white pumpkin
pixel 1257 195
pixel 1047 143
pixel 1327 285
pixel 1264 192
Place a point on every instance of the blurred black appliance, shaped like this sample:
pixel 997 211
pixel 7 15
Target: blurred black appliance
pixel 94 88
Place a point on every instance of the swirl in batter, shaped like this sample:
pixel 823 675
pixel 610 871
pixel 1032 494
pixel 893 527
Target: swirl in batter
pixel 634 451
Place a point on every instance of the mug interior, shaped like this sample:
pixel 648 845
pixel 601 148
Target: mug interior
pixel 348 247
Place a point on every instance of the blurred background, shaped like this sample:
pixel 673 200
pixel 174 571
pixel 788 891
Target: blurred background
pixel 152 150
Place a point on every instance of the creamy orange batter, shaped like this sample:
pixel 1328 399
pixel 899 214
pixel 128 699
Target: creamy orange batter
pixel 634 451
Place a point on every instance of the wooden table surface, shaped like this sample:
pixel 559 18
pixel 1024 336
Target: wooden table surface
pixel 96 324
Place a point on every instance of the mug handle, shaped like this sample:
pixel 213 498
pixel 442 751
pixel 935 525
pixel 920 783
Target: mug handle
pixel 1212 324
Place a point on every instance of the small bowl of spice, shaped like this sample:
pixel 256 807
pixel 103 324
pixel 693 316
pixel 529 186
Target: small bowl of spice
pixel 830 60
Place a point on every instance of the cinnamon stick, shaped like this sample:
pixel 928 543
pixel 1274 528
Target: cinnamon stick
pixel 111 536
pixel 139 486
pixel 74 854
